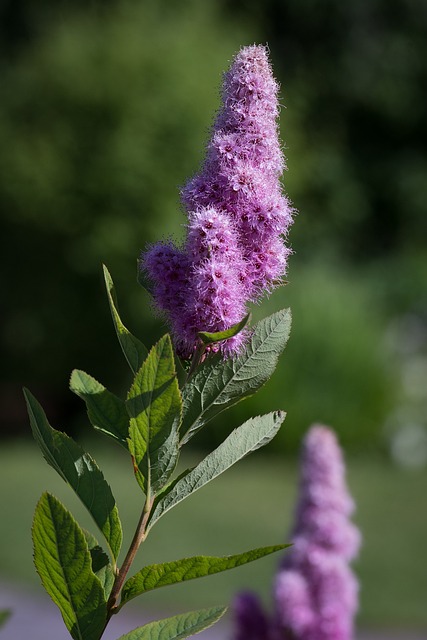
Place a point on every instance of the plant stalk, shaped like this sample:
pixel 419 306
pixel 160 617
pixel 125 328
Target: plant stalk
pixel 138 539
pixel 196 359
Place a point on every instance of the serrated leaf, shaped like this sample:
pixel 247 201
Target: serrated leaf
pixel 154 405
pixel 250 436
pixel 101 565
pixel 63 563
pixel 161 575
pixel 105 410
pixel 177 627
pixel 170 485
pixel 208 337
pixel 134 350
pixel 80 471
pixel 219 384
pixel 4 616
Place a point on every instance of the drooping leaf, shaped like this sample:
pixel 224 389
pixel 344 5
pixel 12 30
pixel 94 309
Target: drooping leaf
pixel 177 627
pixel 133 349
pixel 106 411
pixel 4 616
pixel 80 471
pixel 154 405
pixel 162 575
pixel 63 563
pixel 219 384
pixel 101 565
pixel 208 337
pixel 251 435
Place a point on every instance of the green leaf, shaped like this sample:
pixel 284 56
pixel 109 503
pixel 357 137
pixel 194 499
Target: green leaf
pixel 133 349
pixel 170 485
pixel 177 627
pixel 63 563
pixel 4 616
pixel 217 384
pixel 154 404
pixel 79 470
pixel 161 575
pixel 106 411
pixel 101 565
pixel 209 338
pixel 251 435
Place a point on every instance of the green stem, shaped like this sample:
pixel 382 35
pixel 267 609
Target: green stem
pixel 138 539
pixel 196 360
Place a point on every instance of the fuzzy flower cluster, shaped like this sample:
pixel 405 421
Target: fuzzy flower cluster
pixel 315 591
pixel 238 215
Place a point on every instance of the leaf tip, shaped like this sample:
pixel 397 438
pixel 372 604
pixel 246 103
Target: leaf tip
pixel 30 400
pixel 280 415
pixel 208 337
pixel 73 378
pixel 108 281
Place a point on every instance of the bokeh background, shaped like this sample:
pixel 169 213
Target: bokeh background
pixel 105 110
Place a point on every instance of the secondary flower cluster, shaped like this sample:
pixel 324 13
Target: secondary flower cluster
pixel 237 215
pixel 315 591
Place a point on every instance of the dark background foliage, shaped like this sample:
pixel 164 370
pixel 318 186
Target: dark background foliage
pixel 105 110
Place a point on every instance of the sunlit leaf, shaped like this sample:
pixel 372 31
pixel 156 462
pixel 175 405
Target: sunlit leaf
pixel 161 575
pixel 133 349
pixel 63 562
pixel 219 384
pixel 251 435
pixel 79 470
pixel 177 627
pixel 106 411
pixel 208 337
pixel 154 405
pixel 101 565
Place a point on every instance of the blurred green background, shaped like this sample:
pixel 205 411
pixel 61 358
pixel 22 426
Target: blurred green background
pixel 105 109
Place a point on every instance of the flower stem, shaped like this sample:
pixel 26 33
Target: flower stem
pixel 138 538
pixel 196 359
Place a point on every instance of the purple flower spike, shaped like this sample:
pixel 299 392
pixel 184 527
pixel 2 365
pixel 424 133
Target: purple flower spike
pixel 292 589
pixel 167 267
pixel 213 302
pixel 243 165
pixel 212 234
pixel 251 623
pixel 325 503
pixel 315 591
pixel 237 215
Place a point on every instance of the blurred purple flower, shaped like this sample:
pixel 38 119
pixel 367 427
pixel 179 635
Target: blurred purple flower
pixel 315 591
pixel 237 215
pixel 251 622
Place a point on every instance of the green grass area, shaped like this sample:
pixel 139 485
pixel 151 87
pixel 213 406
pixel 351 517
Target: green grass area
pixel 250 505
